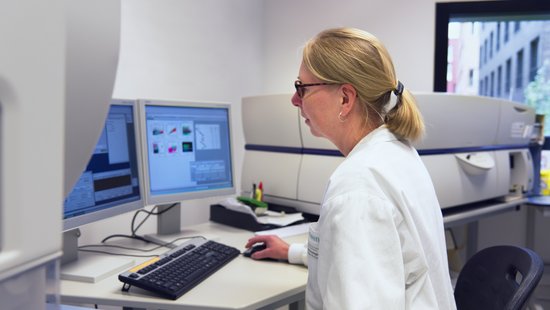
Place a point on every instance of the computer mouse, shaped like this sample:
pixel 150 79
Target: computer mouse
pixel 253 249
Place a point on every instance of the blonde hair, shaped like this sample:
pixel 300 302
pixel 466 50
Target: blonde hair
pixel 356 57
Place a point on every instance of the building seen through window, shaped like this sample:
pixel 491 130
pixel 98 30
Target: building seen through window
pixel 503 58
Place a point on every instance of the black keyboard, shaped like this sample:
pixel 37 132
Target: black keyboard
pixel 177 271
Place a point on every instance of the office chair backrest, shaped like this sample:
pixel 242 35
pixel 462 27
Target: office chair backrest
pixel 499 277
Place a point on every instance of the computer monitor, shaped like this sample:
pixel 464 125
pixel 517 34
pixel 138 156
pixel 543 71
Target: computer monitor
pixel 187 153
pixel 109 185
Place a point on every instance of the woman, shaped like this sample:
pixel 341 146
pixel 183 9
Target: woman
pixel 379 242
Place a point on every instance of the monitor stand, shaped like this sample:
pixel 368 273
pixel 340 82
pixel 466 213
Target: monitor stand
pixel 169 222
pixel 169 226
pixel 88 267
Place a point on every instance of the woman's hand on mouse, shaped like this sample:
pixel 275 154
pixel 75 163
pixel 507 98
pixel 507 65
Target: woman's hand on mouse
pixel 276 248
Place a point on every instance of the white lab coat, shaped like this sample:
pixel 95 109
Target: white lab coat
pixel 379 242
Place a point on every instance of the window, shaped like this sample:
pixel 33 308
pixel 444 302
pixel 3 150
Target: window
pixel 499 81
pixel 480 92
pixel 508 79
pixel 486 51
pixel 506 31
pixel 491 45
pixel 534 59
pixel 471 77
pixel 480 56
pixel 491 87
pixel 498 36
pixel 479 19
pixel 519 69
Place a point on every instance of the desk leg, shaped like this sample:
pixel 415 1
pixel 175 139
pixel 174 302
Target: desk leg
pixel 471 243
pixel 298 305
pixel 530 233
pixel 295 302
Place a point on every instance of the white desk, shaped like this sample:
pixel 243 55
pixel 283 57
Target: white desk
pixel 242 284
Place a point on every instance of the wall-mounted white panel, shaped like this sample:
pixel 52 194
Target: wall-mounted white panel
pixel 32 103
pixel 314 175
pixel 271 120
pixel 454 121
pixel 278 173
pixel 516 123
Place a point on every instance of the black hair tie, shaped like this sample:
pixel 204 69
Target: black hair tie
pixel 399 89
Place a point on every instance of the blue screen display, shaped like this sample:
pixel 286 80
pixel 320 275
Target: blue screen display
pixel 111 177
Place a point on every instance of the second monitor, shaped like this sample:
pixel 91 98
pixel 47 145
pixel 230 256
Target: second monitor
pixel 187 153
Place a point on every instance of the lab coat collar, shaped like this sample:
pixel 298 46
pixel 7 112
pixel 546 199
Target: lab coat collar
pixel 380 134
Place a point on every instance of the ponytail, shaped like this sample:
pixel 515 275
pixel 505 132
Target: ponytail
pixel 405 120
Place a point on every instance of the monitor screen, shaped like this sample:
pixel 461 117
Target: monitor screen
pixel 110 183
pixel 187 150
pixel 495 48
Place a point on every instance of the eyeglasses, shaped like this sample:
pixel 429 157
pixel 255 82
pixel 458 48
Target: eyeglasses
pixel 301 88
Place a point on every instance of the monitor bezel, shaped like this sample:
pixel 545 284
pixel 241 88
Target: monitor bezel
pixel 445 11
pixel 177 198
pixel 77 221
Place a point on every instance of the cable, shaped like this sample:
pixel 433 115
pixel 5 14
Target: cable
pixel 134 230
pixel 149 213
pixel 84 248
pixel 116 254
pixel 135 236
pixel 119 247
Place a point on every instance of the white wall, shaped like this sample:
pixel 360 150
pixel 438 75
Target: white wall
pixel 405 27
